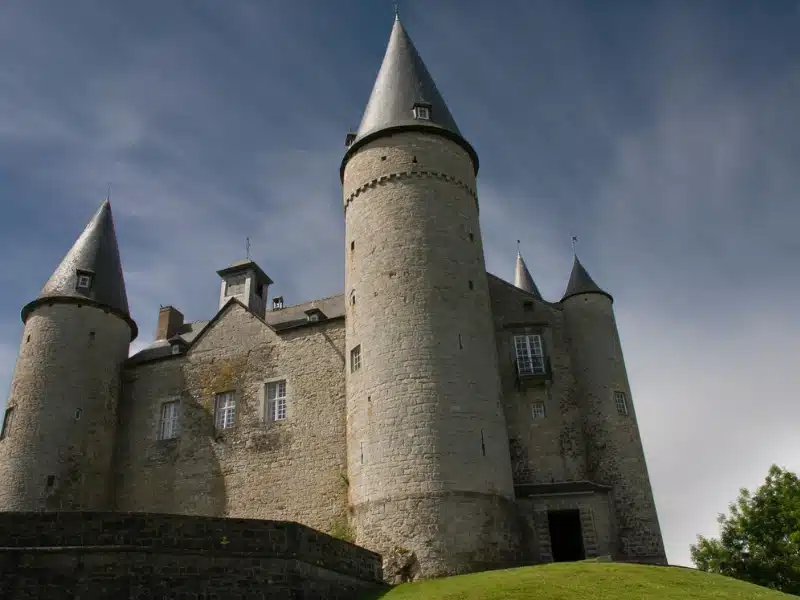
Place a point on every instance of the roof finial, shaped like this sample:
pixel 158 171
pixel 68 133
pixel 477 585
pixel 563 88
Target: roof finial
pixel 247 248
pixel 574 241
pixel 108 195
pixel 517 246
pixel 396 11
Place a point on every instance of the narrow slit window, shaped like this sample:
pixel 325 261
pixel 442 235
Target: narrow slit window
pixel 622 402
pixel 225 410
pixel 170 425
pixel 276 401
pixel 8 420
pixel 355 359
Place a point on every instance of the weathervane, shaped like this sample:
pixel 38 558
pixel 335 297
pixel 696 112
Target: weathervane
pixel 396 10
pixel 517 246
pixel 574 241
pixel 247 248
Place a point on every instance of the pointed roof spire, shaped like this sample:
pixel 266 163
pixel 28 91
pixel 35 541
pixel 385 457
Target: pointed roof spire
pixel 91 272
pixel 581 283
pixel 404 83
pixel 522 277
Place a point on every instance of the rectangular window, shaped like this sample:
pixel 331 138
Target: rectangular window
pixel 276 401
pixel 530 354
pixel 621 402
pixel 224 410
pixel 8 419
pixel 355 359
pixel 84 282
pixel 170 420
pixel 538 411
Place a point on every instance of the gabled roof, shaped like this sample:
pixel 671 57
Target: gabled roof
pixel 523 279
pixel 402 82
pixel 290 317
pixel 581 283
pixel 95 253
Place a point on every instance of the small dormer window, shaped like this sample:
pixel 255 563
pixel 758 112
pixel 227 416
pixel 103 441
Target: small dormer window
pixel 277 303
pixel 315 315
pixel 349 139
pixel 422 112
pixel 84 280
pixel 176 349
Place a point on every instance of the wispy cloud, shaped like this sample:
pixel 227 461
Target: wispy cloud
pixel 663 134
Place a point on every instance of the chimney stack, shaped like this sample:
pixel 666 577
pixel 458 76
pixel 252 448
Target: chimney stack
pixel 170 320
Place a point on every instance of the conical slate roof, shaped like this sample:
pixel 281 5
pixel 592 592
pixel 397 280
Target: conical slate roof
pixel 96 254
pixel 402 82
pixel 581 283
pixel 523 279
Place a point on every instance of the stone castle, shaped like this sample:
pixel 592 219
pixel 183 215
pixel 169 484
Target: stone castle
pixel 433 412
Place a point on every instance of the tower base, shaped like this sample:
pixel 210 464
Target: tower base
pixel 440 534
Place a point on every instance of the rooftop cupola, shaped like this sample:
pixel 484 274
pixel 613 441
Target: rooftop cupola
pixel 405 97
pixel 91 272
pixel 581 283
pixel 523 279
pixel 245 281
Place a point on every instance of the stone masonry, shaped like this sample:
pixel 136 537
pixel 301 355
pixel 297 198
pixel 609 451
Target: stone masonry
pixel 433 413
pixel 109 556
pixel 424 407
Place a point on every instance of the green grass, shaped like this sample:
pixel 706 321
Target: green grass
pixel 584 581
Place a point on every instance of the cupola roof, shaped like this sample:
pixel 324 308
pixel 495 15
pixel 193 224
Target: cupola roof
pixel 91 271
pixel 405 97
pixel 523 279
pixel 580 282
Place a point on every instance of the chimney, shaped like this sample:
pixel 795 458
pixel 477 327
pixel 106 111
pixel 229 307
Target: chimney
pixel 170 320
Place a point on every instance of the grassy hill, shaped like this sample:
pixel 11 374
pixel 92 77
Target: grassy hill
pixel 584 581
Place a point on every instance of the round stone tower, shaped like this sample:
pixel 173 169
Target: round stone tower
pixel 615 456
pixel 58 430
pixel 428 458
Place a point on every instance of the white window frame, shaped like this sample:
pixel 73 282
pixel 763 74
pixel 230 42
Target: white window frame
pixel 538 411
pixel 355 358
pixel 423 113
pixel 169 424
pixel 224 410
pixel 176 349
pixel 529 351
pixel 84 282
pixel 621 402
pixel 276 397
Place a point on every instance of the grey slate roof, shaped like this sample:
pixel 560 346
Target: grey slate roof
pixel 244 265
pixel 292 316
pixel 96 252
pixel 279 320
pixel 404 80
pixel 523 279
pixel 581 283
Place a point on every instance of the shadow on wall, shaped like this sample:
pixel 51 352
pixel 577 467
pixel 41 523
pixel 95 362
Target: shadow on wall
pixel 181 474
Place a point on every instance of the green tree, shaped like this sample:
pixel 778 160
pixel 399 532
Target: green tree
pixel 760 540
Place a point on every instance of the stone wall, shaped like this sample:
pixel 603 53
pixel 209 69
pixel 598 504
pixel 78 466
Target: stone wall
pixel 95 556
pixel 292 469
pixel 425 421
pixel 64 395
pixel 551 448
pixel 615 456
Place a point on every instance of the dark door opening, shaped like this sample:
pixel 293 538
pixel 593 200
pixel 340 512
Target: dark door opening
pixel 566 535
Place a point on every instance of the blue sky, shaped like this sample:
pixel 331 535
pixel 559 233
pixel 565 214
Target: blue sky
pixel 664 134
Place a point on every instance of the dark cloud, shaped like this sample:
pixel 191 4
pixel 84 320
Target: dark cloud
pixel 664 134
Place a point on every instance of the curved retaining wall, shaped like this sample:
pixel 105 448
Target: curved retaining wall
pixel 139 555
